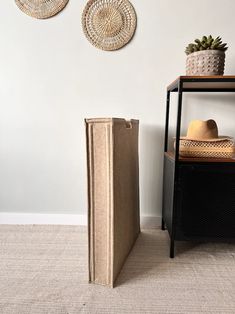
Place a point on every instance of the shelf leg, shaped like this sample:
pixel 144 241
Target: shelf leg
pixel 163 225
pixel 172 248
pixel 167 121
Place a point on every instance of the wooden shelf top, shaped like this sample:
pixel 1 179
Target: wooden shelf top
pixel 215 83
pixel 171 156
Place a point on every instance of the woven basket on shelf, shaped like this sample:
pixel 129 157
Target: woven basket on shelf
pixel 206 62
pixel 41 9
pixel 221 149
pixel 109 24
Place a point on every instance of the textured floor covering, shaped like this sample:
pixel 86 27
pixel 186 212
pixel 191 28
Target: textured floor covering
pixel 43 269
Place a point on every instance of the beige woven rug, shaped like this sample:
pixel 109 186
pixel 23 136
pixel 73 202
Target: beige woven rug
pixel 43 269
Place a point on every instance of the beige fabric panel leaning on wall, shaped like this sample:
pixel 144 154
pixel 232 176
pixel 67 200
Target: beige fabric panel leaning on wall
pixel 113 195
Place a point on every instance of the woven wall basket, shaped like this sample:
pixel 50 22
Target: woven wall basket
pixel 109 24
pixel 206 62
pixel 41 9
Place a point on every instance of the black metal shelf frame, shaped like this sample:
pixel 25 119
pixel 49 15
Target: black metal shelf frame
pixel 178 86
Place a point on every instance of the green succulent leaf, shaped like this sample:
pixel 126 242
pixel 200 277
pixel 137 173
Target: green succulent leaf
pixel 223 45
pixel 206 43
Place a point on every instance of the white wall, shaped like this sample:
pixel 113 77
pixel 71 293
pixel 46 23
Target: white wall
pixel 51 78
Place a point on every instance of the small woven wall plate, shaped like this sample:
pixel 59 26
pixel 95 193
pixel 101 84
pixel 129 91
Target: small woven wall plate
pixel 41 9
pixel 109 24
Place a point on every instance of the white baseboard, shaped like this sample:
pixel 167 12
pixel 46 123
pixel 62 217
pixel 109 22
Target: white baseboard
pixel 150 222
pixel 63 219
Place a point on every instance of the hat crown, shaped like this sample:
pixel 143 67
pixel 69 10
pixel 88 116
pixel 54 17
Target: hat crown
pixel 202 130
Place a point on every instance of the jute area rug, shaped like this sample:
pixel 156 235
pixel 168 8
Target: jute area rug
pixel 43 270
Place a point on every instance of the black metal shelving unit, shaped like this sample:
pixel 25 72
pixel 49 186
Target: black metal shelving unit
pixel 198 193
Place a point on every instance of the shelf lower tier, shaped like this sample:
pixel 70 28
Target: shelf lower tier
pixel 199 199
pixel 171 156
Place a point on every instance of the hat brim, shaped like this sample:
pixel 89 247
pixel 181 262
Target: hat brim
pixel 218 139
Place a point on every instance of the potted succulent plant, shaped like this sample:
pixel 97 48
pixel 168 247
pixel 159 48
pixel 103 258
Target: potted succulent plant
pixel 206 56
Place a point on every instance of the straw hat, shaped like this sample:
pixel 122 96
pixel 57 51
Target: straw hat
pixel 206 131
pixel 109 24
pixel 41 9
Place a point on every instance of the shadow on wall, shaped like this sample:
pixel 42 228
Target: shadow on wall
pixel 151 169
pixel 203 106
pixel 219 106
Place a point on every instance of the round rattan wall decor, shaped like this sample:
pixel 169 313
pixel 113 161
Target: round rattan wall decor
pixel 109 24
pixel 41 9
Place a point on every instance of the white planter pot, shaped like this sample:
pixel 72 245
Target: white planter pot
pixel 205 62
